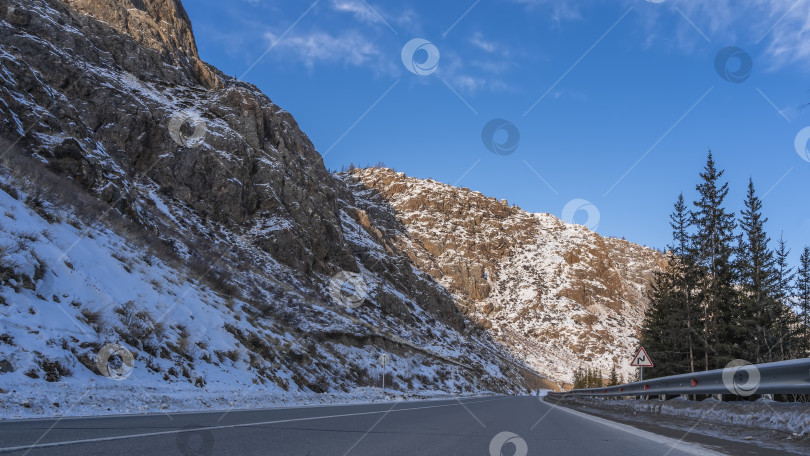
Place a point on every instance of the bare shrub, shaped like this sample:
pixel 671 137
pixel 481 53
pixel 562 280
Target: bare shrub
pixel 54 370
pixel 94 320
pixel 233 355
pixel 139 328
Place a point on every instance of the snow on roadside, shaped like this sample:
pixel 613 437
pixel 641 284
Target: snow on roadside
pixel 793 418
pixel 105 397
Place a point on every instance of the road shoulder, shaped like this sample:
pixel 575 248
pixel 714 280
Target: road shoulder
pixel 720 437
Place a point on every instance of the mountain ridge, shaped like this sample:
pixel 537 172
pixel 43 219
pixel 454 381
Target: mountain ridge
pixel 198 200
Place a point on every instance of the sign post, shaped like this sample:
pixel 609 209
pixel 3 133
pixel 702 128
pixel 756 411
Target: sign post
pixel 383 359
pixel 642 360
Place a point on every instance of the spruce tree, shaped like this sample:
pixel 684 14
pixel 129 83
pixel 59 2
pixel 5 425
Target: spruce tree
pixel 755 269
pixel 658 332
pixel 712 248
pixel 614 377
pixel 579 379
pixel 679 221
pixel 668 330
pixel 803 297
pixel 787 321
pixel 685 273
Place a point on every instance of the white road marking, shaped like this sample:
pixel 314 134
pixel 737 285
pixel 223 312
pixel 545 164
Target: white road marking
pixel 229 426
pixel 686 447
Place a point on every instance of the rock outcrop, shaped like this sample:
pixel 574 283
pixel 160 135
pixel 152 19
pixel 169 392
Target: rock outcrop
pixel 556 294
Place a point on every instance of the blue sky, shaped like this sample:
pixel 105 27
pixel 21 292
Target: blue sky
pixel 616 102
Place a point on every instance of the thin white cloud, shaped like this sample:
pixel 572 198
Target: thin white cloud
pixel 790 39
pixel 359 9
pixel 470 75
pixel 481 69
pixel 560 10
pixel 349 48
pixel 410 20
pixel 369 13
pixel 468 83
pixel 478 40
pixel 777 30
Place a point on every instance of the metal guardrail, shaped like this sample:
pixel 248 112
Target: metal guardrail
pixel 739 377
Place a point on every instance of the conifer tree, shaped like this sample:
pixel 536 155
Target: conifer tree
pixel 712 248
pixel 787 322
pixel 614 377
pixel 755 269
pixel 685 274
pixel 668 332
pixel 803 296
pixel 659 330
pixel 579 378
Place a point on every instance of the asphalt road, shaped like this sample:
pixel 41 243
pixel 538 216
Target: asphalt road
pixel 519 426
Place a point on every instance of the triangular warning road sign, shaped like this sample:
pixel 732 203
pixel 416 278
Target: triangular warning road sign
pixel 641 359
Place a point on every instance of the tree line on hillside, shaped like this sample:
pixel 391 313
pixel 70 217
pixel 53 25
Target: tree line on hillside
pixel 729 292
pixel 592 378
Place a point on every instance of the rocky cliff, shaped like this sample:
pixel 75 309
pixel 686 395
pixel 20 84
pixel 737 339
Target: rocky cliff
pixel 244 255
pixel 556 294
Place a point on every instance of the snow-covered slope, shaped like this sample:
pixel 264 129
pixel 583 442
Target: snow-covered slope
pixel 70 289
pixel 556 294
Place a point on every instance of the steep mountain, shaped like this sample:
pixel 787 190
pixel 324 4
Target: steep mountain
pixel 557 295
pixel 152 202
pixel 170 227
